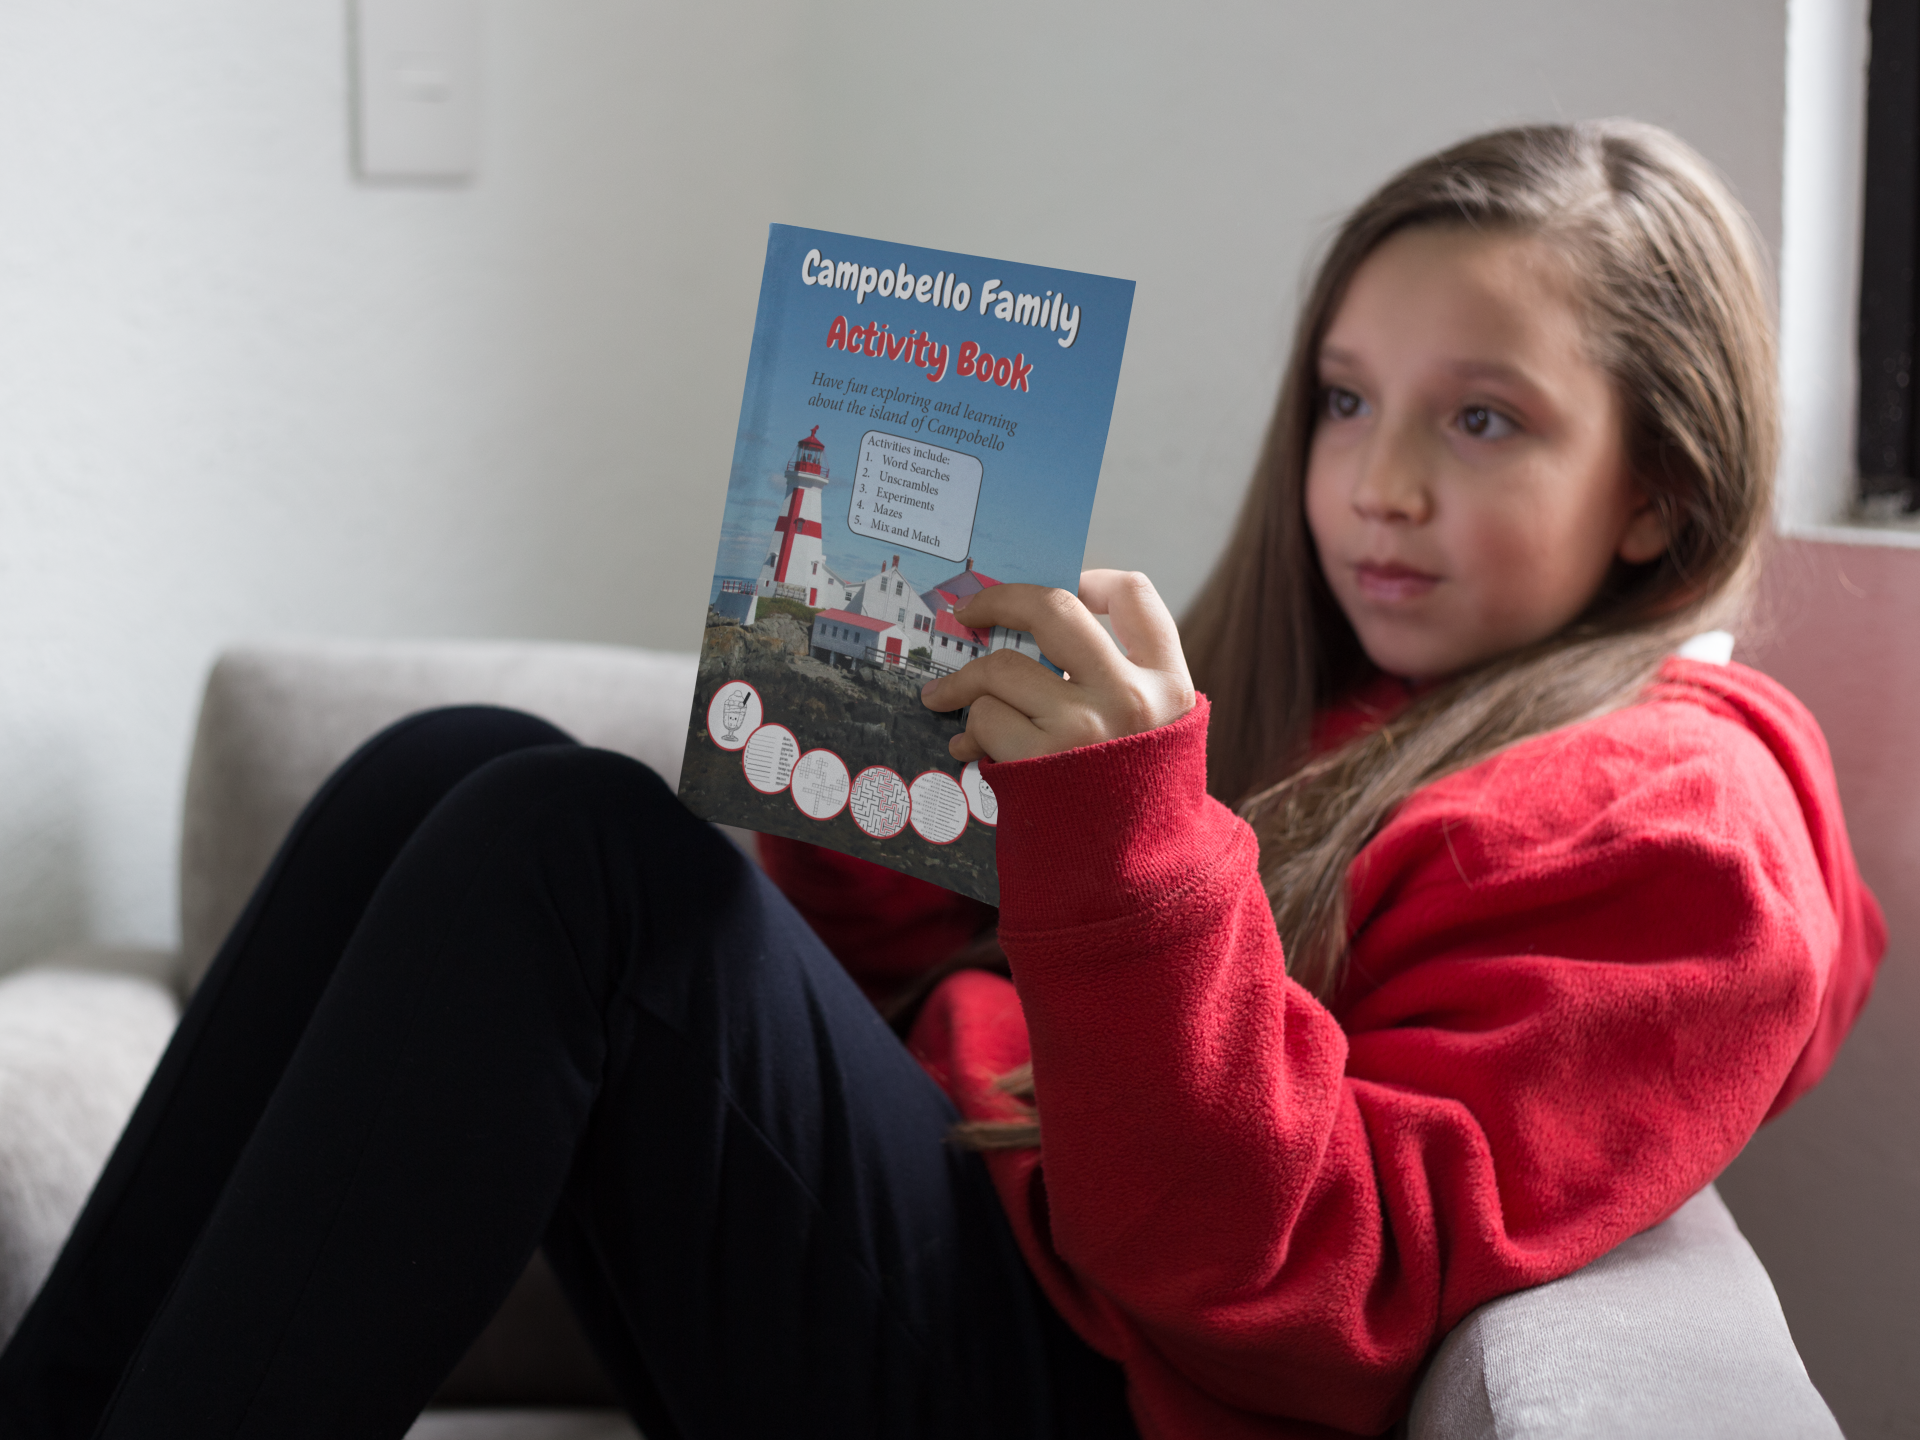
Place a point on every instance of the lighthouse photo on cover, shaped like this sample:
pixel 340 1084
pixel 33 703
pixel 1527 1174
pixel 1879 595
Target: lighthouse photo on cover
pixel 917 425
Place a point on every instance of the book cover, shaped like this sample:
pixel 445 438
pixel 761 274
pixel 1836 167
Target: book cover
pixel 917 425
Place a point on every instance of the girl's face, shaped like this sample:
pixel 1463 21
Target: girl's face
pixel 1467 484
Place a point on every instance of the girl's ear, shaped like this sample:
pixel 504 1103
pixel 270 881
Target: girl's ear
pixel 1645 537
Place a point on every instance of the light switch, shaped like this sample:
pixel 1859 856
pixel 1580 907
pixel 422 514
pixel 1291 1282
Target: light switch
pixel 417 89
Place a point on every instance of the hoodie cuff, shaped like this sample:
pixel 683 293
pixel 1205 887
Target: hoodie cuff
pixel 1107 830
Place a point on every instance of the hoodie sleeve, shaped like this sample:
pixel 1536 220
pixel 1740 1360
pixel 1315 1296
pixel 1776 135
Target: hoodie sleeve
pixel 1581 975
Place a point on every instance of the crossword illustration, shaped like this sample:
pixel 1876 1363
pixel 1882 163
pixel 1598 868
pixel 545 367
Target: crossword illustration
pixel 819 784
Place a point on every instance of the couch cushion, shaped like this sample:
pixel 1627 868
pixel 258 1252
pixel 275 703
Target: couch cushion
pixel 1676 1333
pixel 523 1425
pixel 456 1424
pixel 76 1049
pixel 276 720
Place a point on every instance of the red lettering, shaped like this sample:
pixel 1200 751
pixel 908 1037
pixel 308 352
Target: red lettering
pixel 894 344
pixel 876 342
pixel 857 339
pixel 1003 371
pixel 837 333
pixel 920 351
pixel 1020 372
pixel 967 353
pixel 939 371
pixel 983 368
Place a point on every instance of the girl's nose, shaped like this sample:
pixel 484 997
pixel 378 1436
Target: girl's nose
pixel 1392 484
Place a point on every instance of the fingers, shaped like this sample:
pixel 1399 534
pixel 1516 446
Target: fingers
pixel 1140 618
pixel 963 747
pixel 1018 679
pixel 997 731
pixel 1068 635
pixel 1018 709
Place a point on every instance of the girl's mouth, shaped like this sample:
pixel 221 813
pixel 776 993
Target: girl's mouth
pixel 1392 582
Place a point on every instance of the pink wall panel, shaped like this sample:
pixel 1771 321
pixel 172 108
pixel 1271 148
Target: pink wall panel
pixel 1829 1194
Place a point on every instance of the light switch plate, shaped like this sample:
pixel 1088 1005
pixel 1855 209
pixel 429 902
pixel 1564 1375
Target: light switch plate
pixel 416 89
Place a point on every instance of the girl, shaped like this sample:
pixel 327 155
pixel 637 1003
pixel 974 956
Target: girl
pixel 1565 918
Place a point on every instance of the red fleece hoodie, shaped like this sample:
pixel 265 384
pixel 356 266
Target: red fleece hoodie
pixel 1583 972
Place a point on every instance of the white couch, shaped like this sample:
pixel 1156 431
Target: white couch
pixel 1675 1333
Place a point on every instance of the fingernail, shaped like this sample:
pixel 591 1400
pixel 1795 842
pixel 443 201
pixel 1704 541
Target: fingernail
pixel 927 689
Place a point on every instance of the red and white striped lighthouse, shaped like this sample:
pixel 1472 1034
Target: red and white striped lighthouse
pixel 796 568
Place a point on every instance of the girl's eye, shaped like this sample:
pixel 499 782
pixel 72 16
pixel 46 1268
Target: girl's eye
pixel 1484 424
pixel 1343 404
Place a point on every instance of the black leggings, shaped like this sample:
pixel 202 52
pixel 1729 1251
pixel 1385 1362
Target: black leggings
pixel 498 991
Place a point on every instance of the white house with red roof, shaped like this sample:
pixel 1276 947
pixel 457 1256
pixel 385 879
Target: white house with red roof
pixel 951 636
pixel 843 635
pixel 955 644
pixel 960 588
pixel 889 595
pixel 884 618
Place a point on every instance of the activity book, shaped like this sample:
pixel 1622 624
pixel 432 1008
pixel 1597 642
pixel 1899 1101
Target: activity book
pixel 917 425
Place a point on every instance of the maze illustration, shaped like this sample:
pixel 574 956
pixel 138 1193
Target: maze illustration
pixel 879 802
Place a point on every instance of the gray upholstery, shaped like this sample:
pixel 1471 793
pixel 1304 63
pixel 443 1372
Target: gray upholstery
pixel 523 1425
pixel 1676 1333
pixel 277 719
pixel 76 1047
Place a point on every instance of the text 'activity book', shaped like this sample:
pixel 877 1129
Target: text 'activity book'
pixel 918 425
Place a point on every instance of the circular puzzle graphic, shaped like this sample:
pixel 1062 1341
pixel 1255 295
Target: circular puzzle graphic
pixel 733 715
pixel 938 809
pixel 768 758
pixel 819 784
pixel 879 802
pixel 980 801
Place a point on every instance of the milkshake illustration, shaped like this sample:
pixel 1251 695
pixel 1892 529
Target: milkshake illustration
pixel 734 713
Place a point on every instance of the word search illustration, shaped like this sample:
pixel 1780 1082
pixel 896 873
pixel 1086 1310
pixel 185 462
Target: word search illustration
pixel 768 758
pixel 938 809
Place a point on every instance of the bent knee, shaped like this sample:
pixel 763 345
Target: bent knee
pixel 493 728
pixel 571 783
pixel 600 833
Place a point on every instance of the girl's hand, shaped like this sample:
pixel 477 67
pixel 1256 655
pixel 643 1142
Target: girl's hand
pixel 1020 709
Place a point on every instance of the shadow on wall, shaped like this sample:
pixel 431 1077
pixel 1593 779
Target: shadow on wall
pixel 1828 1194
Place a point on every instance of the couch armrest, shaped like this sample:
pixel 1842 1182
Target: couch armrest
pixel 277 719
pixel 1676 1333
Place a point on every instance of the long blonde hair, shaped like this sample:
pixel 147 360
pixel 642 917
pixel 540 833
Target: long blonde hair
pixel 1677 310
